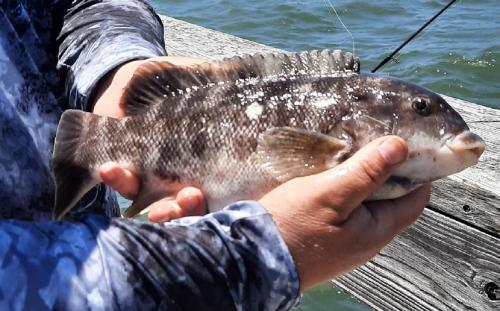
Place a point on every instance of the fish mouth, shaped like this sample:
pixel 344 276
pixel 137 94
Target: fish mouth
pixel 467 145
pixel 449 155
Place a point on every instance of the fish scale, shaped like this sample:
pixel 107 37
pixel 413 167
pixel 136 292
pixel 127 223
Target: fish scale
pixel 239 127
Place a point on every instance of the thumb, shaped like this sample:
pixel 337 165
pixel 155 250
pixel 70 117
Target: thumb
pixel 356 178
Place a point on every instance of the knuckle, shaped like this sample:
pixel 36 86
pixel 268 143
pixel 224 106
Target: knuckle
pixel 372 171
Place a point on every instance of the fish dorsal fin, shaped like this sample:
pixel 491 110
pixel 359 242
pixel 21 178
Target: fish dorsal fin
pixel 287 152
pixel 155 82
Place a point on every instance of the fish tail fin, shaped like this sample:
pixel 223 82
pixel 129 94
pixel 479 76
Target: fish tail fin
pixel 72 177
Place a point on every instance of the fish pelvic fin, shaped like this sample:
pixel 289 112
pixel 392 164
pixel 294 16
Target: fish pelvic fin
pixel 156 82
pixel 287 152
pixel 143 199
pixel 72 178
pixel 152 189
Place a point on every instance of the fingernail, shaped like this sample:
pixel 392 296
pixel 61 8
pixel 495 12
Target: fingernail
pixel 392 151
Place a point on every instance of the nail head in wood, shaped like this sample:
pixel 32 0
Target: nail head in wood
pixel 492 290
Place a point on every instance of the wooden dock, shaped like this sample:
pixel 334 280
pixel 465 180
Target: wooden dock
pixel 450 259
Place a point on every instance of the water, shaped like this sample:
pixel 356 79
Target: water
pixel 458 55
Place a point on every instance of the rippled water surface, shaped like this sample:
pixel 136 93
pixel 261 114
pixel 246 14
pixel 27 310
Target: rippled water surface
pixel 459 55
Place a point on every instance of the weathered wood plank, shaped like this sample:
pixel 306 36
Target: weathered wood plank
pixel 470 204
pixel 438 264
pixel 184 39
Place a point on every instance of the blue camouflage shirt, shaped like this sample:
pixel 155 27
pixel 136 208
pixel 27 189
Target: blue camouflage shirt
pixel 52 54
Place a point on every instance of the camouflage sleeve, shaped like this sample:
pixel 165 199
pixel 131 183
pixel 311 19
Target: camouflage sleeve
pixel 234 259
pixel 97 36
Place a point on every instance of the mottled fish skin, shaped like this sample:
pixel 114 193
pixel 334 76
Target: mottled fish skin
pixel 219 136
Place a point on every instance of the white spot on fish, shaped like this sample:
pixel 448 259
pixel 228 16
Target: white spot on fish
pixel 254 111
pixel 347 118
pixel 323 103
pixel 357 115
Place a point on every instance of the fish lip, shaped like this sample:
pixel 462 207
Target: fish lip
pixel 465 142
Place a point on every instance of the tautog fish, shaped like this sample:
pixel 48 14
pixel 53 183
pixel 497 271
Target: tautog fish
pixel 239 127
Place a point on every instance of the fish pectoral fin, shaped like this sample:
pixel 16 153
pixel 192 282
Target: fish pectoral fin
pixel 287 152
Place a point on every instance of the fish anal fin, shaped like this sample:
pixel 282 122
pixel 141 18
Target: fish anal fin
pixel 287 152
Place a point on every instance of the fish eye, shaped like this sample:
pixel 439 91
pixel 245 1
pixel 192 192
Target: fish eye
pixel 422 106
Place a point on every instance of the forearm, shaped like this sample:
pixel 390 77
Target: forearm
pixel 234 259
pixel 98 36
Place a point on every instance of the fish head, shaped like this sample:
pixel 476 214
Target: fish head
pixel 439 141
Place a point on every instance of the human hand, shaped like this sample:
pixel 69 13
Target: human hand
pixel 106 101
pixel 324 222
pixel 189 201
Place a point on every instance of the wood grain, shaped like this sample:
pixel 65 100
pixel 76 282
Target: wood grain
pixel 468 203
pixel 438 264
pixel 184 39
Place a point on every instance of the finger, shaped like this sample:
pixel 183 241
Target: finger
pixel 189 202
pixel 403 211
pixel 121 180
pixel 355 179
pixel 164 210
pixel 192 201
pixel 393 216
pixel 383 220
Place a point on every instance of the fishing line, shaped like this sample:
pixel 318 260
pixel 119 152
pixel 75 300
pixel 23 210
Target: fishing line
pixel 330 7
pixel 388 58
